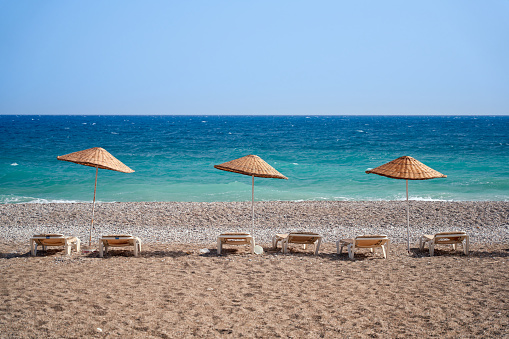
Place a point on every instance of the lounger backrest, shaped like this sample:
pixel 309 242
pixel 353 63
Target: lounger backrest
pixel 120 239
pixel 303 238
pixel 117 241
pixel 50 239
pixel 370 240
pixel 57 241
pixel 235 238
pixel 449 237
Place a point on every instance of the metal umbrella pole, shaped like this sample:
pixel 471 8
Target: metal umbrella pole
pixel 252 201
pixel 407 219
pixel 93 207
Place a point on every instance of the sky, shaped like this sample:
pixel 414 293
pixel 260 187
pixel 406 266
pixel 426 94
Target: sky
pixel 214 57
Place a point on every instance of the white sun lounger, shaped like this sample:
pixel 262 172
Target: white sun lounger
pixel 304 238
pixel 444 238
pixel 46 240
pixel 235 238
pixel 107 241
pixel 364 241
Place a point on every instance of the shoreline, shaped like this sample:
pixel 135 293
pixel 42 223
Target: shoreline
pixel 46 201
pixel 486 222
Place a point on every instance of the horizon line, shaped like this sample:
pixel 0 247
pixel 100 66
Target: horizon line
pixel 272 115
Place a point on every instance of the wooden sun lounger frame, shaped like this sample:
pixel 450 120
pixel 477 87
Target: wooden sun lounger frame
pixel 445 238
pixel 46 240
pixel 235 238
pixel 304 238
pixel 107 241
pixel 364 241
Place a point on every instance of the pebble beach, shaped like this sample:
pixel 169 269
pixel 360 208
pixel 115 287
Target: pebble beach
pixel 201 222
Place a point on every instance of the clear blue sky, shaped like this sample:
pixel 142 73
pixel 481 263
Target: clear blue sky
pixel 254 57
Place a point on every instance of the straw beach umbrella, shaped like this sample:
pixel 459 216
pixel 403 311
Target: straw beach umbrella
pixel 254 166
pixel 406 168
pixel 99 158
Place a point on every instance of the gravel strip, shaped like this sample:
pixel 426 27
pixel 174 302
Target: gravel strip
pixel 200 222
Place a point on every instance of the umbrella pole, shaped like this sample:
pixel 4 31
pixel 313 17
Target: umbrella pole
pixel 252 201
pixel 407 219
pixel 93 208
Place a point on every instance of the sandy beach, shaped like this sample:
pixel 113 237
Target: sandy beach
pixel 174 290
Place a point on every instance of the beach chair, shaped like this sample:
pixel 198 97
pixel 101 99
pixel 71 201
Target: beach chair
pixel 304 238
pixel 124 240
pixel 445 238
pixel 364 241
pixel 235 238
pixel 46 240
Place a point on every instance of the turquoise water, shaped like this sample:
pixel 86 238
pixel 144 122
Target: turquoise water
pixel 324 157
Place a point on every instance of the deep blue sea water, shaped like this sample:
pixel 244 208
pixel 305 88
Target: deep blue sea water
pixel 324 157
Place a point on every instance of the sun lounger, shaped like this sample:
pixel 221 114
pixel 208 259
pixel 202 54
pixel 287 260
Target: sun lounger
pixel 107 241
pixel 444 238
pixel 46 240
pixel 235 238
pixel 364 241
pixel 304 238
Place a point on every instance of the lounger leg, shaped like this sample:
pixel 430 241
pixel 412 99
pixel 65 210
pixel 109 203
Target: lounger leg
pixel 139 247
pixel 284 244
pixel 274 242
pixel 135 248
pixel 431 249
pixel 421 244
pixel 304 246
pixel 337 248
pixel 454 247
pixel 33 249
pixel 67 247
pixel 219 246
pixel 466 245
pixel 101 249
pixel 317 245
pixel 351 251
pixel 341 248
pixel 384 252
pixel 78 245
pixel 252 245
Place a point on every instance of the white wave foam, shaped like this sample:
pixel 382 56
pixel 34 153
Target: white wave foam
pixel 46 201
pixel 14 164
pixel 32 200
pixel 427 199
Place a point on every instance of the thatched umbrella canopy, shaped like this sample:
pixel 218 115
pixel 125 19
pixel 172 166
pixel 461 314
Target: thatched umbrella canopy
pixel 406 168
pixel 99 158
pixel 253 166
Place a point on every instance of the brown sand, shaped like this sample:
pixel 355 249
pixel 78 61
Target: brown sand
pixel 172 291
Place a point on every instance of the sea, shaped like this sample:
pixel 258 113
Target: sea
pixel 324 157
